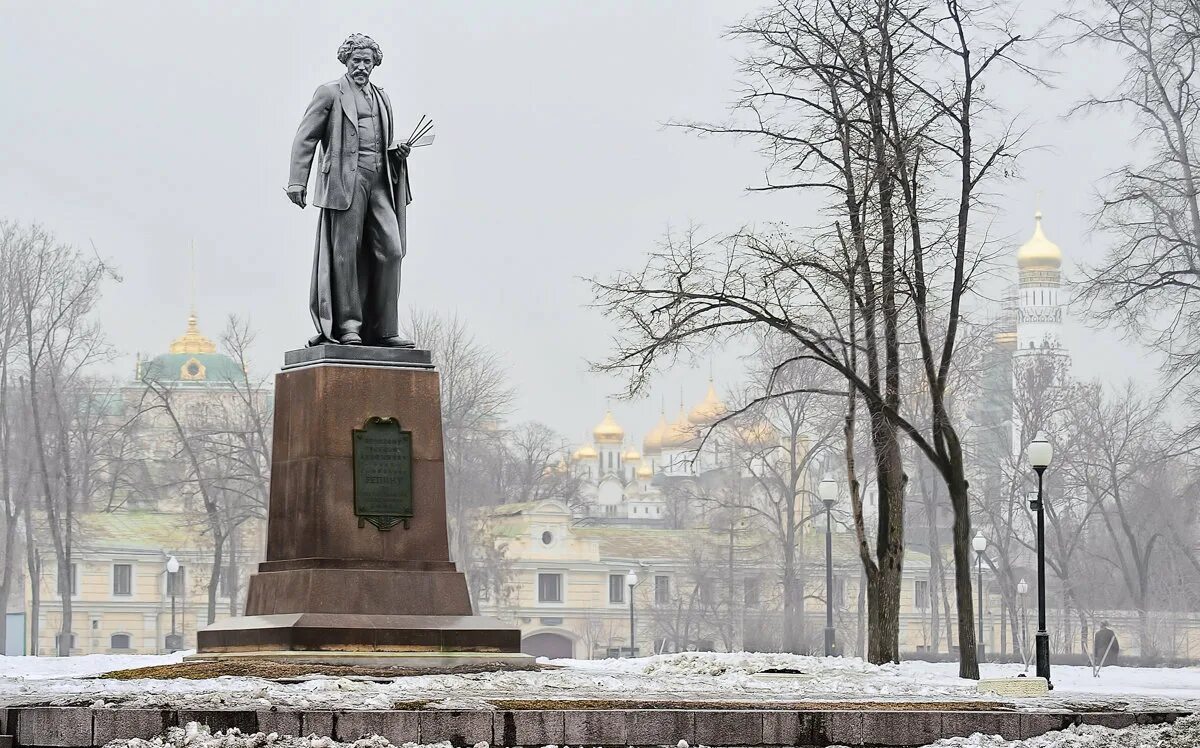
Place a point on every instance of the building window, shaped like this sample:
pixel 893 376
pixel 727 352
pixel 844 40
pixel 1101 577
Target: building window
pixel 121 641
pixel 122 579
pixel 662 589
pixel 921 594
pixel 616 588
pixel 839 591
pixel 74 574
pixel 550 588
pixel 547 537
pixel 175 583
pixel 750 592
pixel 58 640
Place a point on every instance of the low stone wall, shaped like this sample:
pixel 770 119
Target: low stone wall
pixel 81 727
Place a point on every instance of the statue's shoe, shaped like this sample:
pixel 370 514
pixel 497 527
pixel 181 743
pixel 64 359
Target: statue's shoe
pixel 395 341
pixel 350 338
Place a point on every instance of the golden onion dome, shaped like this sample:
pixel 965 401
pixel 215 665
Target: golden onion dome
pixel 1039 253
pixel 1006 339
pixel 586 452
pixel 680 434
pixel 758 434
pixel 631 455
pixel 710 410
pixel 608 431
pixel 645 472
pixel 652 444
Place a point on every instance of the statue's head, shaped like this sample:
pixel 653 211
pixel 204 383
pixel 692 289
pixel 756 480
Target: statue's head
pixel 361 55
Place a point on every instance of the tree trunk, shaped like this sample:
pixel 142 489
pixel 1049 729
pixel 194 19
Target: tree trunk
pixel 34 564
pixel 968 660
pixel 214 576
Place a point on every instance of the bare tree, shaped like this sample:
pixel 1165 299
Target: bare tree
pixel 221 437
pixel 476 395
pixel 13 469
pixel 1149 282
pixel 875 105
pixel 1120 462
pixel 56 289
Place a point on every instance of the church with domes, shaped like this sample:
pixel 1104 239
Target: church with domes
pixel 621 483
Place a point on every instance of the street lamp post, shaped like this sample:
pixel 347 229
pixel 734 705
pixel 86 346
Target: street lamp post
pixel 172 570
pixel 828 491
pixel 980 544
pixel 1022 588
pixel 631 580
pixel 1040 452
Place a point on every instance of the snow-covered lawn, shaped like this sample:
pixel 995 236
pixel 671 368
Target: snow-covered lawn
pixel 682 677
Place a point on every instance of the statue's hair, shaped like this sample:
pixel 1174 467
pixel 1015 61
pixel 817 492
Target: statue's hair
pixel 359 41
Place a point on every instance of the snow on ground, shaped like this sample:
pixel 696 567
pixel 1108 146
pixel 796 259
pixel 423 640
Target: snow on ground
pixel 689 676
pixel 1185 733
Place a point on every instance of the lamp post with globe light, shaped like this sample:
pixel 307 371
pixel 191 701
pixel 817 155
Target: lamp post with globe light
pixel 173 643
pixel 979 543
pixel 1040 452
pixel 828 490
pixel 631 580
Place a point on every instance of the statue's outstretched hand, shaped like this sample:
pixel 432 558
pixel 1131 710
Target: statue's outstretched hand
pixel 404 149
pixel 296 193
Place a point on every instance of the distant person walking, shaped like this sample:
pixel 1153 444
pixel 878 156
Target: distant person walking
pixel 1106 650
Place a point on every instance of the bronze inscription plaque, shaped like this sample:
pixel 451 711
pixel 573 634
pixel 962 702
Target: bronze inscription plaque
pixel 383 492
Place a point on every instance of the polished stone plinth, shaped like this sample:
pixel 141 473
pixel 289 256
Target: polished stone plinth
pixel 330 582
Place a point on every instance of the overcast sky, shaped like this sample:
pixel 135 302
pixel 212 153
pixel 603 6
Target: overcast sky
pixel 144 127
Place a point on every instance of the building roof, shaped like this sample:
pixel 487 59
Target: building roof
pixel 193 359
pixel 140 531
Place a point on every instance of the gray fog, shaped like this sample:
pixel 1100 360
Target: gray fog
pixel 145 127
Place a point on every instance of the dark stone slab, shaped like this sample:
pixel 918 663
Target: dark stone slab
pixel 788 728
pixel 1158 718
pixel 659 726
pixel 961 724
pixel 458 727
pixel 316 723
pixel 532 727
pixel 220 719
pixel 1115 720
pixel 1040 723
pixel 358 355
pixel 7 741
pixel 327 632
pixel 279 722
pixel 124 724
pixel 901 728
pixel 741 728
pixel 55 727
pixel 398 727
pixel 838 728
pixel 598 727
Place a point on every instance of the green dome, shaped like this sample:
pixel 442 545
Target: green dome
pixel 192 367
pixel 193 359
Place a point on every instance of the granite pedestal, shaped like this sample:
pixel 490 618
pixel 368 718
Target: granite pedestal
pixel 335 588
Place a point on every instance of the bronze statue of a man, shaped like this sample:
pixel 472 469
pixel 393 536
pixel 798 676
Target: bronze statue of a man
pixel 362 190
